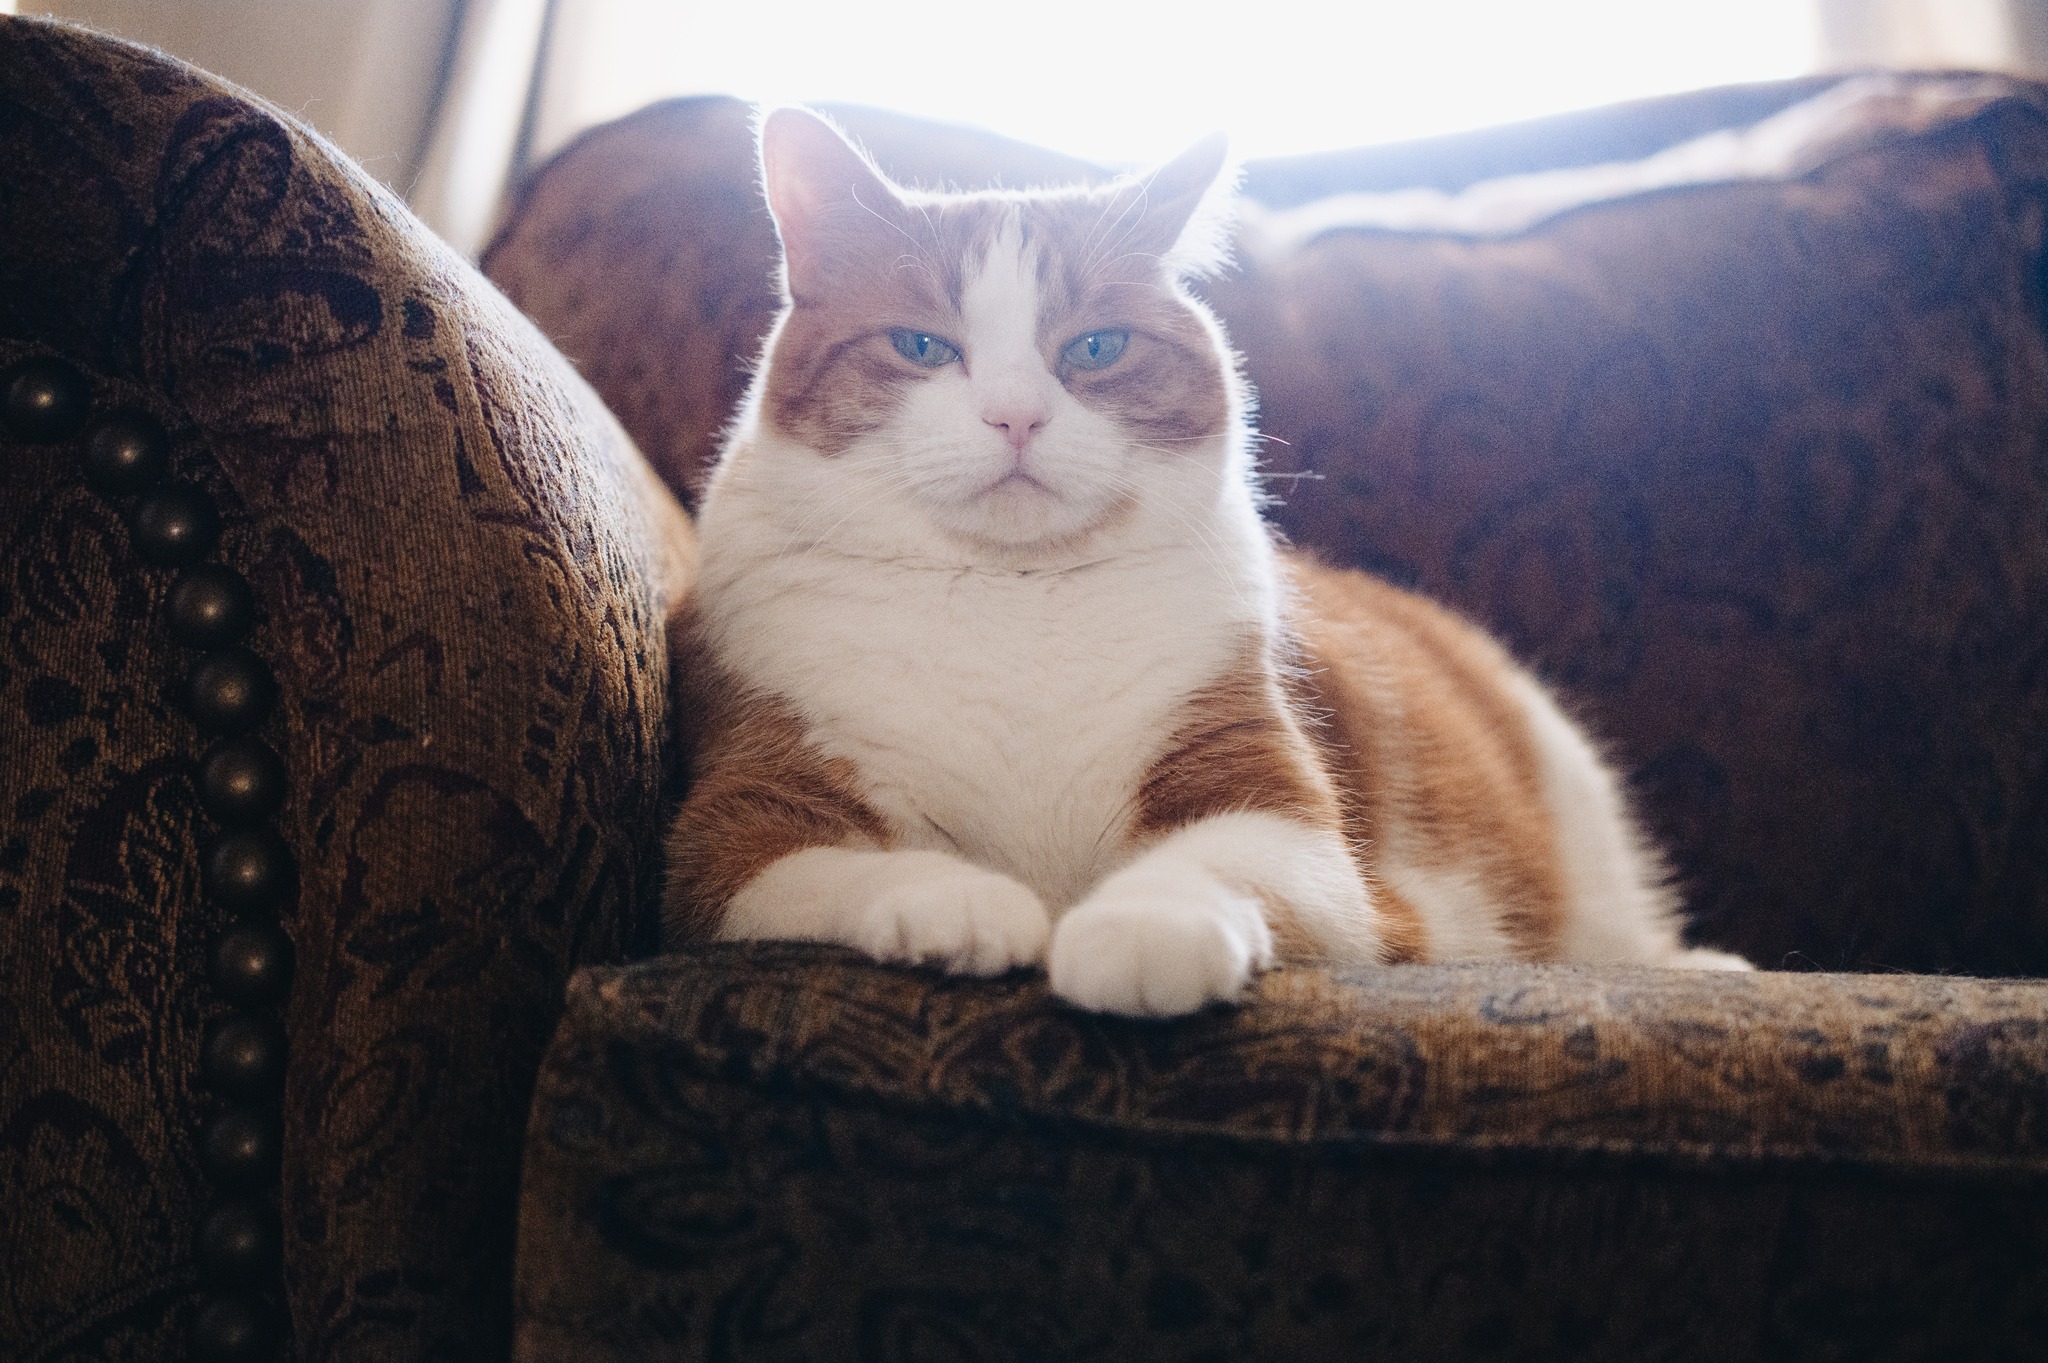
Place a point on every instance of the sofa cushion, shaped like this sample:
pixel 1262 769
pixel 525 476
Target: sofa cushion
pixel 784 1151
pixel 1740 445
pixel 459 570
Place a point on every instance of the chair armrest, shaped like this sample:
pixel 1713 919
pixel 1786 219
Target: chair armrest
pixel 459 571
pixel 755 1143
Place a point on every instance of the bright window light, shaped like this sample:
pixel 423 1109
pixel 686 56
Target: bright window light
pixel 1134 82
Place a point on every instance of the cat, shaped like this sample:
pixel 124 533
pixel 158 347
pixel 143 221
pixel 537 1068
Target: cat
pixel 996 663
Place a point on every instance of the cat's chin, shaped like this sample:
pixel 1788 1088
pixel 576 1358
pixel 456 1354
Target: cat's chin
pixel 1021 522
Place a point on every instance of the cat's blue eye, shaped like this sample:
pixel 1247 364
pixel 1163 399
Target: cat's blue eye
pixel 1096 350
pixel 921 347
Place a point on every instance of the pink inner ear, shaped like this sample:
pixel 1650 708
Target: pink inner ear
pixel 791 141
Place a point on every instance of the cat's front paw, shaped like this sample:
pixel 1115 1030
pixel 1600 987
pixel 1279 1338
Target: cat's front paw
pixel 1159 943
pixel 1706 958
pixel 968 921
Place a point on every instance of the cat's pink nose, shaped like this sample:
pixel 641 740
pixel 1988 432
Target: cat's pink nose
pixel 1018 424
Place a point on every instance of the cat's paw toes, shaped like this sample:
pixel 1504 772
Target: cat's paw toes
pixel 1706 958
pixel 971 922
pixel 1159 947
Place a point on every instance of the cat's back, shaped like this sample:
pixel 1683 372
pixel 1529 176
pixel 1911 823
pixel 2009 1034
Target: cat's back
pixel 1484 809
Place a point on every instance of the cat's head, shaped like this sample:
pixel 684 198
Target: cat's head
pixel 1012 369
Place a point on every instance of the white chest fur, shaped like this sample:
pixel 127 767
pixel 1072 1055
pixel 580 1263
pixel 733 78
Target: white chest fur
pixel 1005 715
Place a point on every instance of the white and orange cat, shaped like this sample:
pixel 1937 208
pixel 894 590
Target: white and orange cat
pixel 997 665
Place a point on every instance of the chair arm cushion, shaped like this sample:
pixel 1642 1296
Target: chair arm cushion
pixel 458 572
pixel 749 1142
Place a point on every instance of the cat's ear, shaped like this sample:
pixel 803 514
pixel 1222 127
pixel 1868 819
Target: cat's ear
pixel 827 198
pixel 1182 211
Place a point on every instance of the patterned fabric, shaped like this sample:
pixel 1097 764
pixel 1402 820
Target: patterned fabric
pixel 1758 473
pixel 784 1152
pixel 1754 469
pixel 461 570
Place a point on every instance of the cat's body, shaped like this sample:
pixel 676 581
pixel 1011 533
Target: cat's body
pixel 998 663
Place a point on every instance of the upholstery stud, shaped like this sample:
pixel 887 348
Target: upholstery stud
pixel 241 781
pixel 252 965
pixel 239 1147
pixel 232 1329
pixel 229 691
pixel 176 525
pixel 42 400
pixel 243 1056
pixel 238 1244
pixel 124 452
pixel 210 607
pixel 249 870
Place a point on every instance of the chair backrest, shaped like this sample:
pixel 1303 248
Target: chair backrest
pixel 1742 445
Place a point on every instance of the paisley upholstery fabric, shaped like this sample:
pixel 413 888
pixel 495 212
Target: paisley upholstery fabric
pixel 1755 471
pixel 783 1152
pixel 461 570
pixel 1749 461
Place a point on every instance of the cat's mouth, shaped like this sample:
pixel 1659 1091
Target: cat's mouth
pixel 1017 480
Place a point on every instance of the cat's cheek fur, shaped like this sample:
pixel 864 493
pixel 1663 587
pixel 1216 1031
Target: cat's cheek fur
pixel 904 906
pixel 1202 911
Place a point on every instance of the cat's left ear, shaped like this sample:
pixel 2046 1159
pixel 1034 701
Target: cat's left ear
pixel 1182 212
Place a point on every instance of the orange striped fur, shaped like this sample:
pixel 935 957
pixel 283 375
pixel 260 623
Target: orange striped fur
pixel 1416 726
pixel 758 791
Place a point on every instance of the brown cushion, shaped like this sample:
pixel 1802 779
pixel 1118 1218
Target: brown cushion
pixel 1749 461
pixel 779 1150
pixel 1750 464
pixel 460 570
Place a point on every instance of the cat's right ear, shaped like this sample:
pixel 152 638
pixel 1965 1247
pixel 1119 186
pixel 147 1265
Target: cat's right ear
pixel 827 198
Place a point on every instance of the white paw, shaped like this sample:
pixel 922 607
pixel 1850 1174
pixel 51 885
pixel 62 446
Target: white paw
pixel 970 921
pixel 1706 958
pixel 1159 943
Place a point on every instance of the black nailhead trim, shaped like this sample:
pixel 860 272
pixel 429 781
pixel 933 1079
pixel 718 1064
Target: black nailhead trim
pixel 124 452
pixel 209 607
pixel 252 965
pixel 176 525
pixel 42 400
pixel 238 1147
pixel 243 1056
pixel 229 691
pixel 249 870
pixel 232 1329
pixel 241 781
pixel 238 1245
